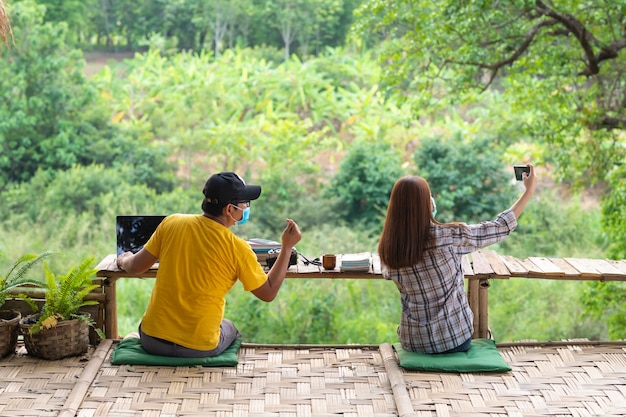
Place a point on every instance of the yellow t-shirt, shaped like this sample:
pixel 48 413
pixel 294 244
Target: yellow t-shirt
pixel 199 262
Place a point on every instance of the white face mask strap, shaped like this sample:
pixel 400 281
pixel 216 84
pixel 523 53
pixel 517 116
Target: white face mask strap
pixel 238 209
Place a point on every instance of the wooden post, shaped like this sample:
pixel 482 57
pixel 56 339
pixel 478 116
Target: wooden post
pixel 110 308
pixel 483 309
pixel 474 302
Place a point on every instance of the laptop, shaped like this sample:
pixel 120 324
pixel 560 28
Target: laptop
pixel 134 231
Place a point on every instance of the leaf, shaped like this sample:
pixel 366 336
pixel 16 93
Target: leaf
pixel 118 117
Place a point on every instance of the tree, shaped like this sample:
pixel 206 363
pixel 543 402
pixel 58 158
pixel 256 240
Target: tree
pixel 289 16
pixel 43 97
pixel 561 60
pixel 51 117
pixel 220 18
pixel 320 21
pixel 76 13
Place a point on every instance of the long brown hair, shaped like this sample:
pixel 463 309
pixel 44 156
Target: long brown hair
pixel 407 225
pixel 5 24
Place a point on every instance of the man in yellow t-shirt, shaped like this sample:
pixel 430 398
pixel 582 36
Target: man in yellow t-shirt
pixel 200 260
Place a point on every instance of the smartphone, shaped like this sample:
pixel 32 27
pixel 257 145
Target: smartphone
pixel 519 169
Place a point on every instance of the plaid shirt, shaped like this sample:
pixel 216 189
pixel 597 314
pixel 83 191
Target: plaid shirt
pixel 436 316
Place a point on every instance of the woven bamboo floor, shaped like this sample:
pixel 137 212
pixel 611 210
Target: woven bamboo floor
pixel 548 379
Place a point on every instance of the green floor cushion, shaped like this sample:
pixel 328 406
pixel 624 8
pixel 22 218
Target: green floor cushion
pixel 130 352
pixel 482 356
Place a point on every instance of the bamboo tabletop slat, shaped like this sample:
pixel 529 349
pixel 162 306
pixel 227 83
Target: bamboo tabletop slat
pixel 478 264
pixel 569 272
pixel 619 265
pixel 497 264
pixel 481 265
pixel 468 270
pixel 545 266
pixel 586 267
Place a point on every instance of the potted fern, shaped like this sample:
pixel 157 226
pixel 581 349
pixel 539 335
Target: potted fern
pixel 59 330
pixel 15 278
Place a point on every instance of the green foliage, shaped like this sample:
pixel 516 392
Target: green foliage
pixel 198 25
pixel 556 225
pixel 17 274
pixel 75 13
pixel 466 177
pixel 559 68
pixel 319 311
pixel 43 95
pixel 614 213
pixel 51 117
pixel 364 182
pixel 524 309
pixel 290 126
pixel 605 300
pixel 78 190
pixel 93 191
pixel 65 294
pixel 310 23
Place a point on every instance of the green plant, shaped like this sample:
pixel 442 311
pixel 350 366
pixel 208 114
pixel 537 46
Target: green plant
pixel 364 182
pixel 17 274
pixel 65 295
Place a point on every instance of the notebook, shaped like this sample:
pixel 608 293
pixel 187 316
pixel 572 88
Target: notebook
pixel 134 231
pixel 357 262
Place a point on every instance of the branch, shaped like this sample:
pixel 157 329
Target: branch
pixel 495 67
pixel 610 123
pixel 611 51
pixel 585 38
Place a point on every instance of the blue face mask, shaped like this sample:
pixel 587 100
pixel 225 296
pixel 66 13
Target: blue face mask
pixel 432 200
pixel 244 217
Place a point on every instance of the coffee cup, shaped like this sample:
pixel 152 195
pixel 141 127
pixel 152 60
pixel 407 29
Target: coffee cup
pixel 329 261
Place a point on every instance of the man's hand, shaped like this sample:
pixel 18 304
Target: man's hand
pixel 136 263
pixel 276 275
pixel 120 259
pixel 291 235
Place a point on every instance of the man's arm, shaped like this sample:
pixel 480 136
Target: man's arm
pixel 276 275
pixel 136 263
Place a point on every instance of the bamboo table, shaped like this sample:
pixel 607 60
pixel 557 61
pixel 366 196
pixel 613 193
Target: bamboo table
pixel 478 267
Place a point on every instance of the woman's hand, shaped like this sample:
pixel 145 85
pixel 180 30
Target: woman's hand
pixel 530 179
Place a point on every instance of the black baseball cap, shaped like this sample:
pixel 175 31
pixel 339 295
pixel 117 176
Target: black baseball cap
pixel 229 188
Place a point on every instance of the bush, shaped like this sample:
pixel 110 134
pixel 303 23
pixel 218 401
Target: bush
pixel 467 178
pixel 552 225
pixel 363 184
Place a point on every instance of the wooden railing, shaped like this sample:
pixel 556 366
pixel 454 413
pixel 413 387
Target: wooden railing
pixel 479 267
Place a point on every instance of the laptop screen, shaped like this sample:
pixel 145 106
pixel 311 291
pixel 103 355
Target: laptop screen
pixel 134 231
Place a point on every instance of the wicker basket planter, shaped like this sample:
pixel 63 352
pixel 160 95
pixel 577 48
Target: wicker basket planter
pixel 67 338
pixel 9 331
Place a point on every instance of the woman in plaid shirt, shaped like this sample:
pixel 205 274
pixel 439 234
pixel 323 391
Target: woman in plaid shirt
pixel 423 258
